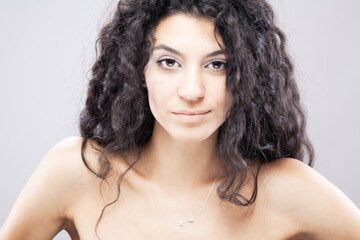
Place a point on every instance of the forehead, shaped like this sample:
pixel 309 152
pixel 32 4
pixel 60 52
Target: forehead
pixel 184 29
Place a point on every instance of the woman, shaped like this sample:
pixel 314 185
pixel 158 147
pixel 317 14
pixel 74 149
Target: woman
pixel 192 129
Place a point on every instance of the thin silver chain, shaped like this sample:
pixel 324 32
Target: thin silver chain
pixel 179 222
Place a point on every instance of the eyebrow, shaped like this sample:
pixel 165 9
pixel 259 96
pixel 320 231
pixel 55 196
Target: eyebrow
pixel 172 50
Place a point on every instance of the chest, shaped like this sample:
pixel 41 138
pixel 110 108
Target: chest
pixel 135 217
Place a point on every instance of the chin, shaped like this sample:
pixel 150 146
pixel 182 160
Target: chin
pixel 191 135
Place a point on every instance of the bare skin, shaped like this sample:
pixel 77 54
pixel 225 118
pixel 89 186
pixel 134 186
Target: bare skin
pixel 294 202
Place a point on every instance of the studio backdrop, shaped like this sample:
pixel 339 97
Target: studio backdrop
pixel 47 49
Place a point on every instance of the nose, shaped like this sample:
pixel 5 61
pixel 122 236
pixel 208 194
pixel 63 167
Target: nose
pixel 191 87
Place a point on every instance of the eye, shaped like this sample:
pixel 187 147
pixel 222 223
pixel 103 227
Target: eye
pixel 167 63
pixel 218 65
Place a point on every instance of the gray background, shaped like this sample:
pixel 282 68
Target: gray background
pixel 47 48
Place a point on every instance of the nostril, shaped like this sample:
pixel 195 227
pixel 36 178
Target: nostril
pixel 191 90
pixel 191 93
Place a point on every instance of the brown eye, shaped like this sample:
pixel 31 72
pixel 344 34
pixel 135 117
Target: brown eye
pixel 218 65
pixel 170 62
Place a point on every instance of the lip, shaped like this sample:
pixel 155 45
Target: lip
pixel 187 112
pixel 191 116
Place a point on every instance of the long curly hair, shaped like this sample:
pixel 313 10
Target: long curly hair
pixel 265 122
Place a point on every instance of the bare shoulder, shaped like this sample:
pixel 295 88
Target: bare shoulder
pixel 45 204
pixel 308 199
pixel 65 163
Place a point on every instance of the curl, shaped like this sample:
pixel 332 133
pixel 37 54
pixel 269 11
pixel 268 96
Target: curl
pixel 265 122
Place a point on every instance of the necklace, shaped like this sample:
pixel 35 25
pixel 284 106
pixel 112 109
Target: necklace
pixel 180 223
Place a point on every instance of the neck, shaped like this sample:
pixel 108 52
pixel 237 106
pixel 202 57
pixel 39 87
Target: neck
pixel 176 166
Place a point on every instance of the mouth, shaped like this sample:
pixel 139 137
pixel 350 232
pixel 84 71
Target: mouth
pixel 191 116
pixel 200 112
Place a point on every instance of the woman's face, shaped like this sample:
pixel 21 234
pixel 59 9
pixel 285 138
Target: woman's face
pixel 186 78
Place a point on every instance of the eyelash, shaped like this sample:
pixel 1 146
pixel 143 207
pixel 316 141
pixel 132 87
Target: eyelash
pixel 159 62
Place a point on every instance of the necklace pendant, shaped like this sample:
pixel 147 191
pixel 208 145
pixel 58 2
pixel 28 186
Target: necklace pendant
pixel 191 219
pixel 181 223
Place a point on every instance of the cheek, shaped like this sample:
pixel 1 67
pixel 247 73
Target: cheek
pixel 219 94
pixel 223 102
pixel 158 97
pixel 160 88
pixel 152 87
pixel 154 96
pixel 229 100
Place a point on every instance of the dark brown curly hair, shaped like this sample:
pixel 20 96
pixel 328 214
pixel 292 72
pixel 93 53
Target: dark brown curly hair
pixel 266 121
